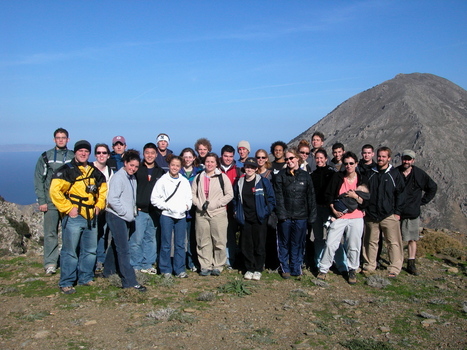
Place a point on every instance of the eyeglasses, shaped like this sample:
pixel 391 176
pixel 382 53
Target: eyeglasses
pixel 350 163
pixel 102 153
pixel 290 158
pixel 307 153
pixel 261 157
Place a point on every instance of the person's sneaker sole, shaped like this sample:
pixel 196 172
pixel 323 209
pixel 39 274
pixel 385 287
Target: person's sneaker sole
pixel 67 290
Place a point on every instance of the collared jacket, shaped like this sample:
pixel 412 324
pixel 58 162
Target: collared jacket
pixel 45 168
pixel 75 185
pixel 265 200
pixel 295 196
pixel 417 182
pixel 121 199
pixel 172 196
pixel 145 187
pixel 218 199
pixel 333 189
pixel 386 193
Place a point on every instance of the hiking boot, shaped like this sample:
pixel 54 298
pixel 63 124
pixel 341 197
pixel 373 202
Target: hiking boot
pixel 321 276
pixel 411 268
pixel 67 290
pixel 99 268
pixel 285 275
pixel 182 275
pixel 50 270
pixel 256 276
pixel 248 275
pixel 216 272
pixel 352 279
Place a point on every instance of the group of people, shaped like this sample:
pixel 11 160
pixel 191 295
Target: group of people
pixel 284 210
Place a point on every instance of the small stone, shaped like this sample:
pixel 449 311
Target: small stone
pixel 428 322
pixel 41 334
pixel 453 269
pixel 189 310
pixel 90 323
pixel 384 329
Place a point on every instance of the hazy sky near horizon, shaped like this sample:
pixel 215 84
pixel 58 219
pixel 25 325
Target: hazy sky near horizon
pixel 226 70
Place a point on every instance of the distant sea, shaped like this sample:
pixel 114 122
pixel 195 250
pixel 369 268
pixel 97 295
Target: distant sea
pixel 17 176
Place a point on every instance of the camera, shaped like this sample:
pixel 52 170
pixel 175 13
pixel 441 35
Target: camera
pixel 91 189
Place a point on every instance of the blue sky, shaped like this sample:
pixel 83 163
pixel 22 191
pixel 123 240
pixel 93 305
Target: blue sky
pixel 226 70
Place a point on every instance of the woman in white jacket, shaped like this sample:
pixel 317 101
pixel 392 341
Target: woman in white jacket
pixel 172 195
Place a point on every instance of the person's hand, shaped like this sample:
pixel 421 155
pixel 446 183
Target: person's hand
pixel 43 208
pixel 336 213
pixel 398 217
pixel 73 213
pixel 97 210
pixel 351 194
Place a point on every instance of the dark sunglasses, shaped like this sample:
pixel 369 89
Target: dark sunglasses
pixel 261 157
pixel 307 153
pixel 102 152
pixel 290 158
pixel 350 163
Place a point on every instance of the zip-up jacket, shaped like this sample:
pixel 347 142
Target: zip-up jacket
pixel 121 199
pixel 70 187
pixel 145 187
pixel 218 199
pixel 44 172
pixel 417 182
pixel 295 196
pixel 172 196
pixel 265 200
pixel 332 191
pixel 386 193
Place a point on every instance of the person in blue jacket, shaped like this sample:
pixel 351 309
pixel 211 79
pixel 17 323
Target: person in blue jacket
pixel 253 201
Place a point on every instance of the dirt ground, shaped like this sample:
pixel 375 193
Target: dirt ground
pixel 421 312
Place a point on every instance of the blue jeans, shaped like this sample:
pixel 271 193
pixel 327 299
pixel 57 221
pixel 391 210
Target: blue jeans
pixel 143 244
pixel 178 227
pixel 191 255
pixel 121 249
pixel 102 237
pixel 291 237
pixel 77 237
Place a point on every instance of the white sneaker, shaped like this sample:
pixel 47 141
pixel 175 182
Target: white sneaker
pixel 257 276
pixel 150 271
pixel 51 270
pixel 167 275
pixel 248 275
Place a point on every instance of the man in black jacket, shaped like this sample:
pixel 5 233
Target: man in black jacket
pixel 143 242
pixel 366 163
pixel 420 189
pixel 383 213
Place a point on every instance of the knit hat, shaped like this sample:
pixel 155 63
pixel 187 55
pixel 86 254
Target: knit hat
pixel 163 137
pixel 82 144
pixel 408 153
pixel 120 139
pixel 244 144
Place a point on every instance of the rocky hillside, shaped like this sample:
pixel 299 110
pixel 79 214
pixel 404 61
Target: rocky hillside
pixel 416 111
pixel 20 229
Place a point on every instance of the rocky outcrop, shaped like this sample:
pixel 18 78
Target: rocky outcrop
pixel 21 229
pixel 422 112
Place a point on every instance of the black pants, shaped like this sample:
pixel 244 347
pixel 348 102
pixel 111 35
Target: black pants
pixel 253 245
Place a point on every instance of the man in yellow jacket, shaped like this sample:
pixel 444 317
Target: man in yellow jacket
pixel 78 190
